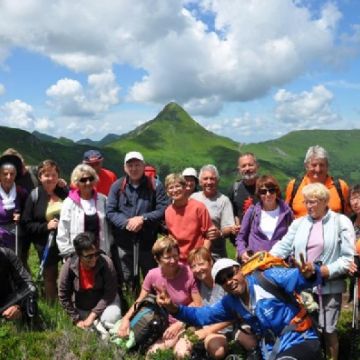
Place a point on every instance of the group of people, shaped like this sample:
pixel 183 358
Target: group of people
pixel 105 232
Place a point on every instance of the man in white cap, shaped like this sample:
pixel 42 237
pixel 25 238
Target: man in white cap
pixel 135 207
pixel 265 301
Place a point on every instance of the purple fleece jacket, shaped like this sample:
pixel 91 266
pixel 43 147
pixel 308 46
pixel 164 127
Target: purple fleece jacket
pixel 252 238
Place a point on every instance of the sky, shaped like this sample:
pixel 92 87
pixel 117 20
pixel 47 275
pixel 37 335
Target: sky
pixel 251 70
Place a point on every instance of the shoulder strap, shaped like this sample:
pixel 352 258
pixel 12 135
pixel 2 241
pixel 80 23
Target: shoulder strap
pixel 273 289
pixel 297 182
pixel 34 195
pixel 340 193
pixel 236 188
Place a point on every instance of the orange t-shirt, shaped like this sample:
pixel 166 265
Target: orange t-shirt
pixel 298 206
pixel 188 225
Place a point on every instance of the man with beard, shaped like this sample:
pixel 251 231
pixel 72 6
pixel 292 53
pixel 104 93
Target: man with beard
pixel 242 193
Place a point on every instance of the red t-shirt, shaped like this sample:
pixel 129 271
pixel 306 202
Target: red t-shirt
pixel 106 179
pixel 87 278
pixel 188 225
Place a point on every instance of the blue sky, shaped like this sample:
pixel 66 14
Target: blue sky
pixel 250 70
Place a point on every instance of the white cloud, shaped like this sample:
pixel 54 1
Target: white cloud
pixel 17 114
pixel 2 89
pixel 44 124
pixel 255 46
pixel 71 99
pixel 308 109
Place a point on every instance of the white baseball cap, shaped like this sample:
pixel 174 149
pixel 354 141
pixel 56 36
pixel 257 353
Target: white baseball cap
pixel 222 264
pixel 190 172
pixel 133 155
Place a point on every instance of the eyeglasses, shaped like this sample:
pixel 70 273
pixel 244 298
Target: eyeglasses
pixel 226 275
pixel 168 258
pixel 265 191
pixel 84 180
pixel 91 256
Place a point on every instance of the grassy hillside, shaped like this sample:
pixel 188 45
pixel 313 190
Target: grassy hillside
pixel 288 152
pixel 173 141
pixel 65 152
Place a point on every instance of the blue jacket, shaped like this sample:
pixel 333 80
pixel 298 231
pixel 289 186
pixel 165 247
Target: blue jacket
pixel 251 237
pixel 125 202
pixel 266 315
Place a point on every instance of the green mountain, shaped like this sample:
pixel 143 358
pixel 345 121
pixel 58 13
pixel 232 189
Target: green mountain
pixel 173 140
pixel 64 151
pixel 288 151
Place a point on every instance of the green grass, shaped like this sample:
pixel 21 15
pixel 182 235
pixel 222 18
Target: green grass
pixel 62 340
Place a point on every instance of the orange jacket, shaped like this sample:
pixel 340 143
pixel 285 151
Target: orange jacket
pixel 298 206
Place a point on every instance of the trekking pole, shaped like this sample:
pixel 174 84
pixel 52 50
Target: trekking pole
pixel 355 339
pixel 322 308
pixel 16 220
pixel 136 278
pixel 49 244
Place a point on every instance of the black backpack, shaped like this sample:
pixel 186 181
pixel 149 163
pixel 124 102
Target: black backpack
pixel 148 322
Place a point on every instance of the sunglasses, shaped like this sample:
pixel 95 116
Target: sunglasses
pixel 84 180
pixel 265 191
pixel 227 274
pixel 91 256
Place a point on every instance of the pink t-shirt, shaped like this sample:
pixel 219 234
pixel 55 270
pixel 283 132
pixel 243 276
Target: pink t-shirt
pixel 315 245
pixel 188 225
pixel 179 288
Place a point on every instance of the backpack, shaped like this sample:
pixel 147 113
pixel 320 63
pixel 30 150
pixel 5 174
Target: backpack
pixel 148 322
pixel 338 188
pixel 262 260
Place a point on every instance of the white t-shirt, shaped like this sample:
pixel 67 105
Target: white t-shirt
pixel 268 221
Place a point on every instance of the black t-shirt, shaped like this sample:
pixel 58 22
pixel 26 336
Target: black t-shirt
pixel 241 197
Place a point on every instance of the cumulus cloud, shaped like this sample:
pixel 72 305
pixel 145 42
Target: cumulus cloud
pixel 308 109
pixel 252 47
pixel 43 124
pixel 17 114
pixel 2 89
pixel 70 98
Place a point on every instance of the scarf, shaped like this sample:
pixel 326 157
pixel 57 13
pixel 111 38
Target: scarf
pixel 8 200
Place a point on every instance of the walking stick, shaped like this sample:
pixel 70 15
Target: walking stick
pixel 16 220
pixel 136 278
pixel 355 339
pixel 49 244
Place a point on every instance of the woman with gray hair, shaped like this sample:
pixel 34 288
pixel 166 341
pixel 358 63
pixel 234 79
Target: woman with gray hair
pixel 83 210
pixel 317 170
pixel 326 237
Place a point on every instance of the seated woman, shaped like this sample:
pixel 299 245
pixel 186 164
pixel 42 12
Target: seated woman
pixel 87 286
pixel 179 282
pixel 83 210
pixel 264 223
pixel 12 200
pixel 187 220
pixel 326 236
pixel 215 336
